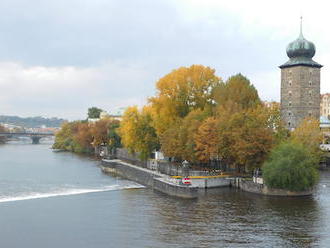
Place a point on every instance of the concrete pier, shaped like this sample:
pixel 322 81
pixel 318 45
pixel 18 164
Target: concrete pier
pixel 158 181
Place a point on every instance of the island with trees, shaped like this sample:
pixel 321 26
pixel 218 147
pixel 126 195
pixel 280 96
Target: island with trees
pixel 196 116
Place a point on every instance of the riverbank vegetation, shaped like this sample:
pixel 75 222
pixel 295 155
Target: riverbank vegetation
pixel 84 137
pixel 2 138
pixel 195 116
pixel 292 167
pixel 198 117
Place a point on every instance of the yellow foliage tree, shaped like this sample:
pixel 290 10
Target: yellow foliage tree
pixel 137 133
pixel 308 134
pixel 180 92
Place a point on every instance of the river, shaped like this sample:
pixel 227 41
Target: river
pixel 57 200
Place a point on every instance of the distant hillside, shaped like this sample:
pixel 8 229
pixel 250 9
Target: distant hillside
pixel 31 122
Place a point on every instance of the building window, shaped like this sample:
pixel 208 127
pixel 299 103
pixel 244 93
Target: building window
pixel 310 114
pixel 290 82
pixel 310 83
pixel 310 103
pixel 290 93
pixel 289 113
pixel 289 123
pixel 290 103
pixel 310 93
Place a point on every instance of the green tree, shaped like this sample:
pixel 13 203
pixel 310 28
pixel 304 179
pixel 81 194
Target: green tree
pixel 290 167
pixel 94 112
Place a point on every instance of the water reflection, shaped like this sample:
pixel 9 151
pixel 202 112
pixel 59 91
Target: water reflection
pixel 228 217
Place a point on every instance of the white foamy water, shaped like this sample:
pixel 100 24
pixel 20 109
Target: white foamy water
pixel 66 192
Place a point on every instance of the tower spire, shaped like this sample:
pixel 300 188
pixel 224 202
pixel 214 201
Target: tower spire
pixel 301 35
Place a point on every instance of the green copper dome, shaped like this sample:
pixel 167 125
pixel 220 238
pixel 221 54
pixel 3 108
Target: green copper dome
pixel 300 48
pixel 301 52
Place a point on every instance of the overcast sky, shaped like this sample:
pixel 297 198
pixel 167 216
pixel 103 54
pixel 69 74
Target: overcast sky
pixel 59 57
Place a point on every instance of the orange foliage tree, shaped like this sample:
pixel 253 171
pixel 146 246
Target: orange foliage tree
pixel 206 139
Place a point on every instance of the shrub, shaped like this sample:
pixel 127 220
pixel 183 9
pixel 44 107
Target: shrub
pixel 292 167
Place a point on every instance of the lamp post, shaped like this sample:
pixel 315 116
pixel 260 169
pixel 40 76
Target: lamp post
pixel 185 167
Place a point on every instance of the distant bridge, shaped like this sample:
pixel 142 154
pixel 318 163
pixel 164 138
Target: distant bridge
pixel 34 136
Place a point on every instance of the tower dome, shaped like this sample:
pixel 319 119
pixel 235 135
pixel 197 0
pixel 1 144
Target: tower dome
pixel 300 48
pixel 301 52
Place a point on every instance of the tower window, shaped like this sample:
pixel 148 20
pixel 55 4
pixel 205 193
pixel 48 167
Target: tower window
pixel 290 93
pixel 289 113
pixel 310 93
pixel 290 82
pixel 289 123
pixel 310 83
pixel 290 103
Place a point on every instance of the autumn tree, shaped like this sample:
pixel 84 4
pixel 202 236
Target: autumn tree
pixel 235 95
pixel 308 134
pixel 180 92
pixel 2 138
pixel 206 139
pixel 82 138
pixel 178 140
pixel 276 123
pixel 64 139
pixel 99 131
pixel 137 133
pixel 245 138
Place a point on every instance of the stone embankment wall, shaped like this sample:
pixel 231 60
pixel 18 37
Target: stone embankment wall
pixel 250 186
pixel 148 178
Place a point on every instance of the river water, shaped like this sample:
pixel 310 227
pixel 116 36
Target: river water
pixel 57 200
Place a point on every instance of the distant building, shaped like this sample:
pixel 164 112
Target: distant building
pixel 117 115
pixel 271 104
pixel 300 83
pixel 325 104
pixel 104 114
pixel 93 120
